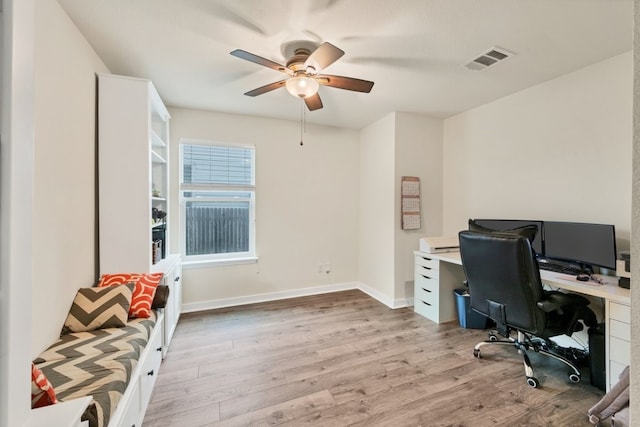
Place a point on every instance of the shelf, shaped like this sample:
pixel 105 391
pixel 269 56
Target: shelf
pixel 156 141
pixel 158 224
pixel 157 158
pixel 158 199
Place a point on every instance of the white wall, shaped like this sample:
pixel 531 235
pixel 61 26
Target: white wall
pixel 376 221
pixel 306 207
pixel 16 169
pixel 635 246
pixel 64 180
pixel 418 148
pixel 47 189
pixel 560 150
pixel 400 144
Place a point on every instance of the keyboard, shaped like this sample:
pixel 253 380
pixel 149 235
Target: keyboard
pixel 560 268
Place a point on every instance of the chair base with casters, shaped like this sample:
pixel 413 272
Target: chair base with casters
pixel 505 285
pixel 525 342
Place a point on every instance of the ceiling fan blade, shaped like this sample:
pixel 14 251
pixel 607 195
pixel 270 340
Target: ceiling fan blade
pixel 348 83
pixel 313 102
pixel 248 56
pixel 266 88
pixel 325 55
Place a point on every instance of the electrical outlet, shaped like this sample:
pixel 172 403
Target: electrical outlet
pixel 324 268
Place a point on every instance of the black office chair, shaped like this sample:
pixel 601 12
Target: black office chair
pixel 504 285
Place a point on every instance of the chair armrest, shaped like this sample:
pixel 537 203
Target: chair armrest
pixel 557 300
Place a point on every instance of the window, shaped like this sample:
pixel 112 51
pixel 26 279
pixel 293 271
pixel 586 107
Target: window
pixel 217 199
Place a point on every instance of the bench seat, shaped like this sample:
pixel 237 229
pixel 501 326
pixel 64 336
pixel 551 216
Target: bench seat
pixel 98 363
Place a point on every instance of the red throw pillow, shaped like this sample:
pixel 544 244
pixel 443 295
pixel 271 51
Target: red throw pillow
pixel 42 393
pixel 145 289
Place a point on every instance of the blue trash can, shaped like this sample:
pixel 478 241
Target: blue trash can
pixel 467 317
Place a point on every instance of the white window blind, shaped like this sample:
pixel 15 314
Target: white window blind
pixel 218 165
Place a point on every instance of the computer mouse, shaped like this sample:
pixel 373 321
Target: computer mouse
pixel 583 277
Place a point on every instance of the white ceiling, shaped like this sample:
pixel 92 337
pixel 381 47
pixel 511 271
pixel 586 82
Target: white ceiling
pixel 414 50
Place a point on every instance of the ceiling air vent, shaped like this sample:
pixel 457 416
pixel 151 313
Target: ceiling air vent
pixel 488 58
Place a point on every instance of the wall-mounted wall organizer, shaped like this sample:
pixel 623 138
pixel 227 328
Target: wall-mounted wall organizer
pixel 410 193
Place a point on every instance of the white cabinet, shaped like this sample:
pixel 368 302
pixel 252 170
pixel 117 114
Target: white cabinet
pixel 133 405
pixel 133 132
pixel 173 279
pixel 426 287
pixel 434 282
pixel 618 340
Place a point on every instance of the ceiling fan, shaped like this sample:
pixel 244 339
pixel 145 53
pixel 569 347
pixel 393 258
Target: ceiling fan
pixel 302 68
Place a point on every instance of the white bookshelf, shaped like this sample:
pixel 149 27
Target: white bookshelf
pixel 133 162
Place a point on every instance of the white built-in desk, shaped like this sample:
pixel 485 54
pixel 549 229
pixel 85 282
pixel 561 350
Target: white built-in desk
pixel 437 275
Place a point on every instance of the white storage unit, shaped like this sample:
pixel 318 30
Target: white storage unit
pixel 133 135
pixel 434 282
pixel 618 340
pixel 133 132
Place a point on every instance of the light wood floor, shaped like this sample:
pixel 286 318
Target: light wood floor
pixel 344 359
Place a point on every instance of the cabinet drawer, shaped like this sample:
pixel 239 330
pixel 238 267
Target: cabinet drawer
pixel 620 312
pixel 421 281
pixel 426 294
pixel 427 262
pixel 426 309
pixel 620 330
pixel 151 366
pixel 132 416
pixel 620 351
pixel 427 272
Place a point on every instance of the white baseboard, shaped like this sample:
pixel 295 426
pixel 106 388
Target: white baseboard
pixel 373 293
pixel 274 296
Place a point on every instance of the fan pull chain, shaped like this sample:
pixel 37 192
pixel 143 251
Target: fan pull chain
pixel 301 120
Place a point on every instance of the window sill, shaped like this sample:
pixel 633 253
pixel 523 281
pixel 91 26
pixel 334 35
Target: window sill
pixel 219 262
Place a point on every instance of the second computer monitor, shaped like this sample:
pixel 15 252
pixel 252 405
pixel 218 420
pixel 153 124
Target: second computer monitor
pixel 583 243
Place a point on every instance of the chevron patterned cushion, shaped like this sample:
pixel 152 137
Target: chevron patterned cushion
pixel 97 308
pixel 42 393
pixel 97 363
pixel 146 284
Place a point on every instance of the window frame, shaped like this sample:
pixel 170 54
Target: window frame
pixel 227 258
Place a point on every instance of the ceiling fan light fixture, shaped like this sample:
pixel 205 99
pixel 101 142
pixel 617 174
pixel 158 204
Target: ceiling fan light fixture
pixel 305 61
pixel 302 86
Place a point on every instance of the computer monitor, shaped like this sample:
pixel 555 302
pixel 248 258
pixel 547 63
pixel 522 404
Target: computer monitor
pixel 582 243
pixel 510 224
